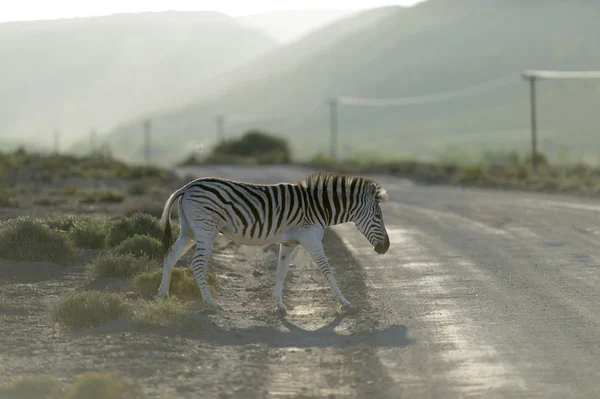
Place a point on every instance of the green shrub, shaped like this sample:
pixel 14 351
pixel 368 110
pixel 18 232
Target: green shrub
pixel 30 239
pixel 89 233
pixel 139 223
pixel 89 309
pixel 141 246
pixel 118 265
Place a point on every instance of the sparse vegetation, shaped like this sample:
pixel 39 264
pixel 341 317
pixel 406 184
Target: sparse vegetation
pixel 118 265
pixel 141 246
pixel 30 239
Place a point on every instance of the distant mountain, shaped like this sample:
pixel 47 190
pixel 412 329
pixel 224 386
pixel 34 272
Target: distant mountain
pixel 437 46
pixel 288 26
pixel 82 73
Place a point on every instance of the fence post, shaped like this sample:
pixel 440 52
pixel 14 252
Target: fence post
pixel 333 126
pixel 532 101
pixel 147 127
pixel 220 128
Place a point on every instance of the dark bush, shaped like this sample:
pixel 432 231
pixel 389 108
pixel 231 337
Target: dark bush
pixel 255 146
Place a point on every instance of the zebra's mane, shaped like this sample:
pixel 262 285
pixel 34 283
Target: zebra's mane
pixel 316 180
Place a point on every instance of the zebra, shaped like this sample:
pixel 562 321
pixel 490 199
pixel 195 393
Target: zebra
pixel 289 214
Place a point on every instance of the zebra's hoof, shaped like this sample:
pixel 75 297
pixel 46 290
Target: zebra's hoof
pixel 215 306
pixel 346 307
pixel 159 297
pixel 281 310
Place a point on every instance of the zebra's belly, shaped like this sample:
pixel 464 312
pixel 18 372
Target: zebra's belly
pixel 246 240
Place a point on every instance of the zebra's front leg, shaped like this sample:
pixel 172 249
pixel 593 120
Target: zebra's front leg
pixel 315 249
pixel 286 254
pixel 203 250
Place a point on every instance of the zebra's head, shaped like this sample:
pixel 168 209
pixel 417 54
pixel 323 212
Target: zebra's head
pixel 369 218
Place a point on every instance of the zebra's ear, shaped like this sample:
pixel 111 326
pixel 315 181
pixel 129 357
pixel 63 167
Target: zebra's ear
pixel 381 194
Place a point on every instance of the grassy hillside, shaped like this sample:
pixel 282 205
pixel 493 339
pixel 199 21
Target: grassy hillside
pixel 437 46
pixel 75 74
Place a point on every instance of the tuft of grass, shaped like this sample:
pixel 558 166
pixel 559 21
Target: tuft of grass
pixel 108 196
pixel 94 385
pixel 39 387
pixel 141 246
pixel 89 309
pixel 118 265
pixel 161 313
pixel 30 239
pixel 138 223
pixel 183 283
pixel 94 308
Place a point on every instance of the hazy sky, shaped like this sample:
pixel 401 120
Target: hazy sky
pixel 50 9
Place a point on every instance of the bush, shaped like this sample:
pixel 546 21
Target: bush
pixel 103 386
pixel 30 239
pixel 158 313
pixel 33 387
pixel 139 223
pixel 89 309
pixel 141 245
pixel 254 145
pixel 183 283
pixel 118 265
pixel 89 233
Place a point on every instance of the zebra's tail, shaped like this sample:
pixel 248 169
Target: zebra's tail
pixel 166 219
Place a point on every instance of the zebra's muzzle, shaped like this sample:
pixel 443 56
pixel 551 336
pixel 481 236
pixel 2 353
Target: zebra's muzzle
pixel 383 247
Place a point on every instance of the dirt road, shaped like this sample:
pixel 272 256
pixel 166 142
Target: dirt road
pixel 482 294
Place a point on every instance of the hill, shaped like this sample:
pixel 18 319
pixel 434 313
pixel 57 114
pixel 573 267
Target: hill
pixel 436 46
pixel 82 73
pixel 288 26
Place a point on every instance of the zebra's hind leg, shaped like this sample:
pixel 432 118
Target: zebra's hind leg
pixel 181 246
pixel 315 249
pixel 204 246
pixel 286 254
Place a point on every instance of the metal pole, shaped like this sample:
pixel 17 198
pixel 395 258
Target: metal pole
pixel 333 122
pixel 147 127
pixel 534 151
pixel 92 142
pixel 220 128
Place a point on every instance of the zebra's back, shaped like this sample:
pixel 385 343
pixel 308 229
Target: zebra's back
pixel 247 213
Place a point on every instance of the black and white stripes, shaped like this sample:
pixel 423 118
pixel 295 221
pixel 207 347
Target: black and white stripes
pixel 261 214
